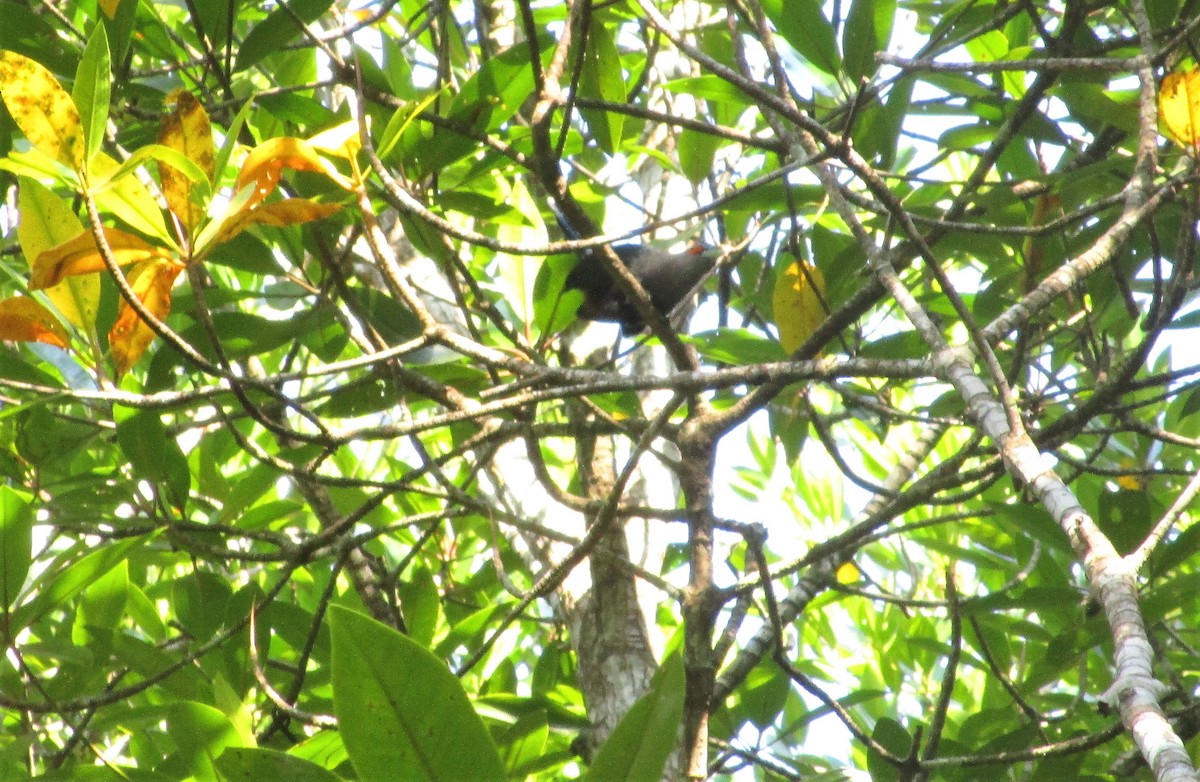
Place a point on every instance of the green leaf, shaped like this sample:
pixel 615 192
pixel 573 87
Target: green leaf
pixel 30 34
pixel 737 346
pixel 403 715
pixel 102 604
pixel 200 600
pixel 154 455
pixel 803 25
pixel 868 30
pixel 525 743
pixel 251 764
pixel 56 588
pixel 601 79
pixel 696 153
pixel 894 738
pixel 201 733
pixel 16 543
pixel 878 134
pixel 281 27
pixel 647 735
pixel 93 87
pixel 763 695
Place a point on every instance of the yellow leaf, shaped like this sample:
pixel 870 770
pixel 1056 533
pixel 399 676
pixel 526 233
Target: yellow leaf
pixel 42 109
pixel 797 300
pixel 264 166
pixel 127 198
pixel 80 256
pixel 1131 480
pixel 130 336
pixel 46 221
pixel 340 140
pixel 186 130
pixel 1179 107
pixel 292 211
pixel 24 320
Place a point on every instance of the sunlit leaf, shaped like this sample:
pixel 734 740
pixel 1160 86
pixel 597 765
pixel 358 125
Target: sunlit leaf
pixel 1179 106
pixel 127 198
pixel 93 88
pixel 248 764
pixel 264 166
pixel 187 130
pixel 152 281
pixel 45 221
pixel 81 256
pixel 799 293
pixel 340 140
pixel 24 320
pixel 42 109
pixel 293 211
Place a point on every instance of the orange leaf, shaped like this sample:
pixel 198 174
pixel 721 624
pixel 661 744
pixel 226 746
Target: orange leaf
pixel 42 109
pixel 186 130
pixel 797 300
pixel 1033 250
pixel 24 320
pixel 264 166
pixel 1179 107
pixel 293 211
pixel 130 336
pixel 80 256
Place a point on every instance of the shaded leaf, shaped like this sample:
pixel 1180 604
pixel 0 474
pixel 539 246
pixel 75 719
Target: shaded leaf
pixel 16 543
pixel 403 715
pixel 281 26
pixel 155 456
pixel 254 764
pixel 601 79
pixel 802 24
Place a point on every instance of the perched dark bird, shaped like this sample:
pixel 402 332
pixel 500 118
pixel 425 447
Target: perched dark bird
pixel 667 277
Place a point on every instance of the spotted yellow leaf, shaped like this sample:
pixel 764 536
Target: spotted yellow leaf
pixel 42 109
pixel 187 130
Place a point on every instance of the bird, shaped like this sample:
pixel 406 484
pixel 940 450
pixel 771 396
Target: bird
pixel 667 277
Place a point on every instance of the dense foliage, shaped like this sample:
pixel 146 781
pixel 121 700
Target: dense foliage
pixel 308 471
